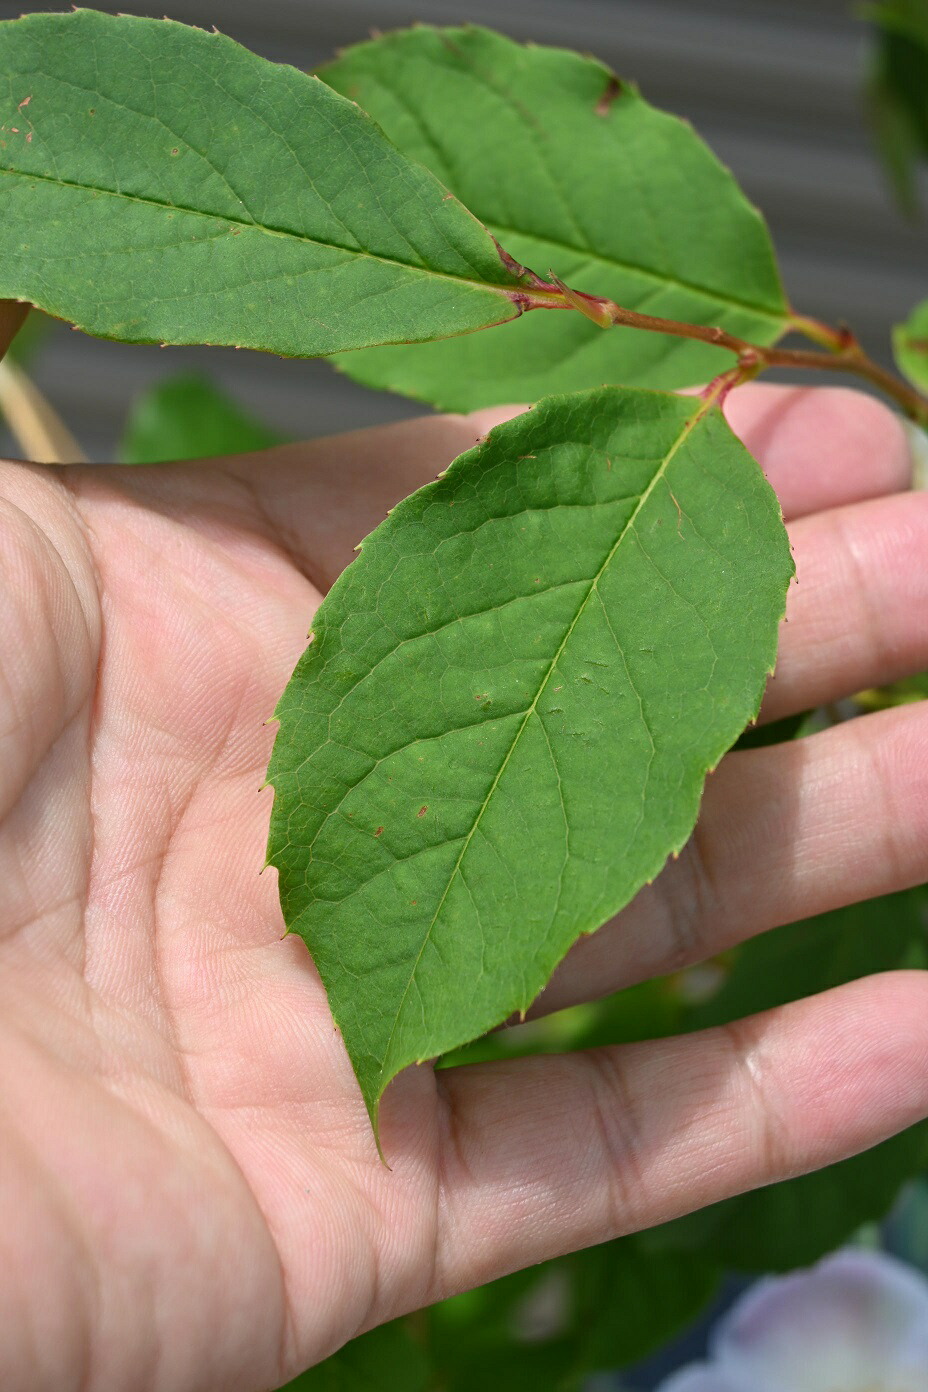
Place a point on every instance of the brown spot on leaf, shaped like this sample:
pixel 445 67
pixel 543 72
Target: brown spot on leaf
pixel 379 831
pixel 422 811
pixel 612 90
pixel 25 102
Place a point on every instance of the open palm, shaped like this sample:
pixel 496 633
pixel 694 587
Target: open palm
pixel 190 1195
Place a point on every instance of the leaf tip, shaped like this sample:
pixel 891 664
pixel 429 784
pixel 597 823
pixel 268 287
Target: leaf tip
pixel 372 1102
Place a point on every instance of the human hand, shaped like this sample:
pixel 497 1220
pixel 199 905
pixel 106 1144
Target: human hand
pixel 191 1197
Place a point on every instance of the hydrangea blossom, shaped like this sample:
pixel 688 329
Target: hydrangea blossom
pixel 857 1322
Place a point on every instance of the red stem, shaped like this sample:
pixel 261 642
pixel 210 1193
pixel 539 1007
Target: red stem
pixel 844 353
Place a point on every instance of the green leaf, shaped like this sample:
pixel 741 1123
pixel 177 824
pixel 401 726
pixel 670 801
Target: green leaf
pixel 161 184
pixel 511 1367
pixel 900 693
pixel 554 1325
pixel 648 1010
pixel 897 93
pixel 906 17
pixel 802 959
pixel 630 1299
pixel 188 417
pixel 573 171
pixel 387 1359
pixel 508 1335
pixel 910 345
pixel 488 1316
pixel 29 341
pixel 797 1222
pixel 503 724
pixel 776 732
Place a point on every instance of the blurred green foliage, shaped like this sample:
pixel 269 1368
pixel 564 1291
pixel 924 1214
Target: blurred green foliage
pixel 897 92
pixel 189 417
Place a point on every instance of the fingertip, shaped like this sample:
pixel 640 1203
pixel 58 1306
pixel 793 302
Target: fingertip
pixel 873 1033
pixel 821 447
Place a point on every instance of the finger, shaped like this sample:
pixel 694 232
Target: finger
pixel 50 634
pixel 49 625
pixel 321 497
pixel 546 1155
pixel 819 448
pixel 858 615
pixel 784 833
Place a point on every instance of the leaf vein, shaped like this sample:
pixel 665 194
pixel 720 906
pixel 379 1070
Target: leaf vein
pixel 502 290
pixel 627 529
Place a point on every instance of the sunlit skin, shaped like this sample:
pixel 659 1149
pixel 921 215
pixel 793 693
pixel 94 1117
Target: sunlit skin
pixel 190 1194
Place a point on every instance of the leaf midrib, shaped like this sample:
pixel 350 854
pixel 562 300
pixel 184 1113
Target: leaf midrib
pixel 502 231
pixel 659 473
pixel 506 292
pixel 613 263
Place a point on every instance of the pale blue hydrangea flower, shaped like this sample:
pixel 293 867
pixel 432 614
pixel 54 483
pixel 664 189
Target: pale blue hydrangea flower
pixel 857 1322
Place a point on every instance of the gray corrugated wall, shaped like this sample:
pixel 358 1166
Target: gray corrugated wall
pixel 773 85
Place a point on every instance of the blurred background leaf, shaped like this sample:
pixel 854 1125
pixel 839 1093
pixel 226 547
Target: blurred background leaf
pixel 189 417
pixel 28 343
pixel 910 340
pixel 897 92
pixel 387 1359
